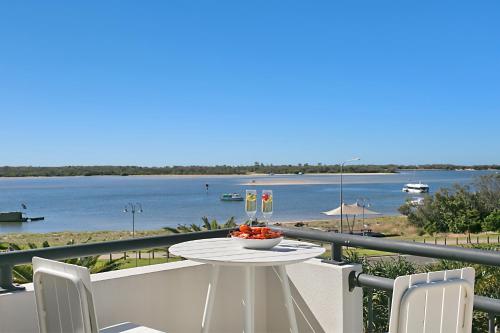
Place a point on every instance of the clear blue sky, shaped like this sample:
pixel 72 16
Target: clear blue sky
pixel 213 82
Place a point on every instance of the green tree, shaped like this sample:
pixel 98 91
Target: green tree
pixel 488 192
pixel 468 221
pixel 405 209
pixel 459 209
pixel 492 221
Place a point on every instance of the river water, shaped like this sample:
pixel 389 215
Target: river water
pixel 96 203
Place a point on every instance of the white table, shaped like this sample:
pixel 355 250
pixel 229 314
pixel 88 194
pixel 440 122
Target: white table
pixel 227 252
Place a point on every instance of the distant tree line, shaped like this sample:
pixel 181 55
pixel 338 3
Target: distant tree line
pixel 449 167
pixel 101 170
pixel 461 209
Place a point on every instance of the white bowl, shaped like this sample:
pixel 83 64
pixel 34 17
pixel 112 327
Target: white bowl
pixel 258 244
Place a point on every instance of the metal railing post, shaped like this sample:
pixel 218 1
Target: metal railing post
pixel 336 255
pixel 491 322
pixel 6 282
pixel 336 252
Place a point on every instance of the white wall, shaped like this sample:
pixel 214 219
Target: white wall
pixel 171 297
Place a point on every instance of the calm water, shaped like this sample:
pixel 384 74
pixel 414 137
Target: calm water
pixel 96 203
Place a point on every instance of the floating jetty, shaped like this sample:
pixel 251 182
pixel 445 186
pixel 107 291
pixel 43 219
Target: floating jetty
pixel 17 217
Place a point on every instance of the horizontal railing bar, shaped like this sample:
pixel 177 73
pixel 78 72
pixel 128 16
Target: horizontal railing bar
pixel 12 258
pixel 378 282
pixel 486 304
pixel 481 303
pixel 484 257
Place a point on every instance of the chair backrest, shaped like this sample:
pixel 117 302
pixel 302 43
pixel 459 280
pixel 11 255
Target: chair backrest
pixel 438 302
pixel 63 295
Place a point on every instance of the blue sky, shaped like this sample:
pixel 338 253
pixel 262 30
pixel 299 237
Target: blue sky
pixel 233 82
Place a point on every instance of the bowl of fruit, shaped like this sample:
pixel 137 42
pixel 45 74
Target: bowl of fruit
pixel 258 238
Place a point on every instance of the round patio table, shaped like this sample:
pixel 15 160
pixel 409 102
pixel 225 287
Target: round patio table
pixel 227 252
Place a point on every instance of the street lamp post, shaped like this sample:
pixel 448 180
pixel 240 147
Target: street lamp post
pixel 133 208
pixel 341 194
pixel 363 203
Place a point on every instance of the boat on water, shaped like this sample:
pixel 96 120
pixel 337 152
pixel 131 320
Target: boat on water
pixel 416 201
pixel 416 188
pixel 231 197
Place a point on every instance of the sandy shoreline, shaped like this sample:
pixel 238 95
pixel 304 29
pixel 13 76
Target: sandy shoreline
pixel 317 179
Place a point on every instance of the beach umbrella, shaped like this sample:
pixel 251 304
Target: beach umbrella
pixel 352 209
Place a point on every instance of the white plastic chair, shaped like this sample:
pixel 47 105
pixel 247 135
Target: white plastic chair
pixel 434 302
pixel 64 300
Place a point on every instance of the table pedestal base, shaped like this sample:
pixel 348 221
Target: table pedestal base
pixel 249 298
pixel 287 295
pixel 209 302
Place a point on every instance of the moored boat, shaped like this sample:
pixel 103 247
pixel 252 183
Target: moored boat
pixel 417 201
pixel 231 197
pixel 416 188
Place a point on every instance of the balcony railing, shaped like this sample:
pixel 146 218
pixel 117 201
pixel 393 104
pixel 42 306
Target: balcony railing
pixel 491 306
pixel 492 258
pixel 10 259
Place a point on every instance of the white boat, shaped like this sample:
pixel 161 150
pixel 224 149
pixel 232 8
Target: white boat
pixel 416 188
pixel 231 197
pixel 417 201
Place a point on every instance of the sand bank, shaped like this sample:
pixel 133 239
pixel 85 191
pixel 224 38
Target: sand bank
pixel 316 179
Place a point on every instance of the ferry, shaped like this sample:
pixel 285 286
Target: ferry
pixel 416 188
pixel 231 197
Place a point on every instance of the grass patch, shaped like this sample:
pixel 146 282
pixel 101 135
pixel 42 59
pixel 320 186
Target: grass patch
pixel 63 238
pixel 389 225
pixel 359 252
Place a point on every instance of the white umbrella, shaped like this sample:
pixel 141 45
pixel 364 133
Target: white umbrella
pixel 353 209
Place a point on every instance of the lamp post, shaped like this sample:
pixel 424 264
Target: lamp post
pixel 133 208
pixel 341 194
pixel 363 203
